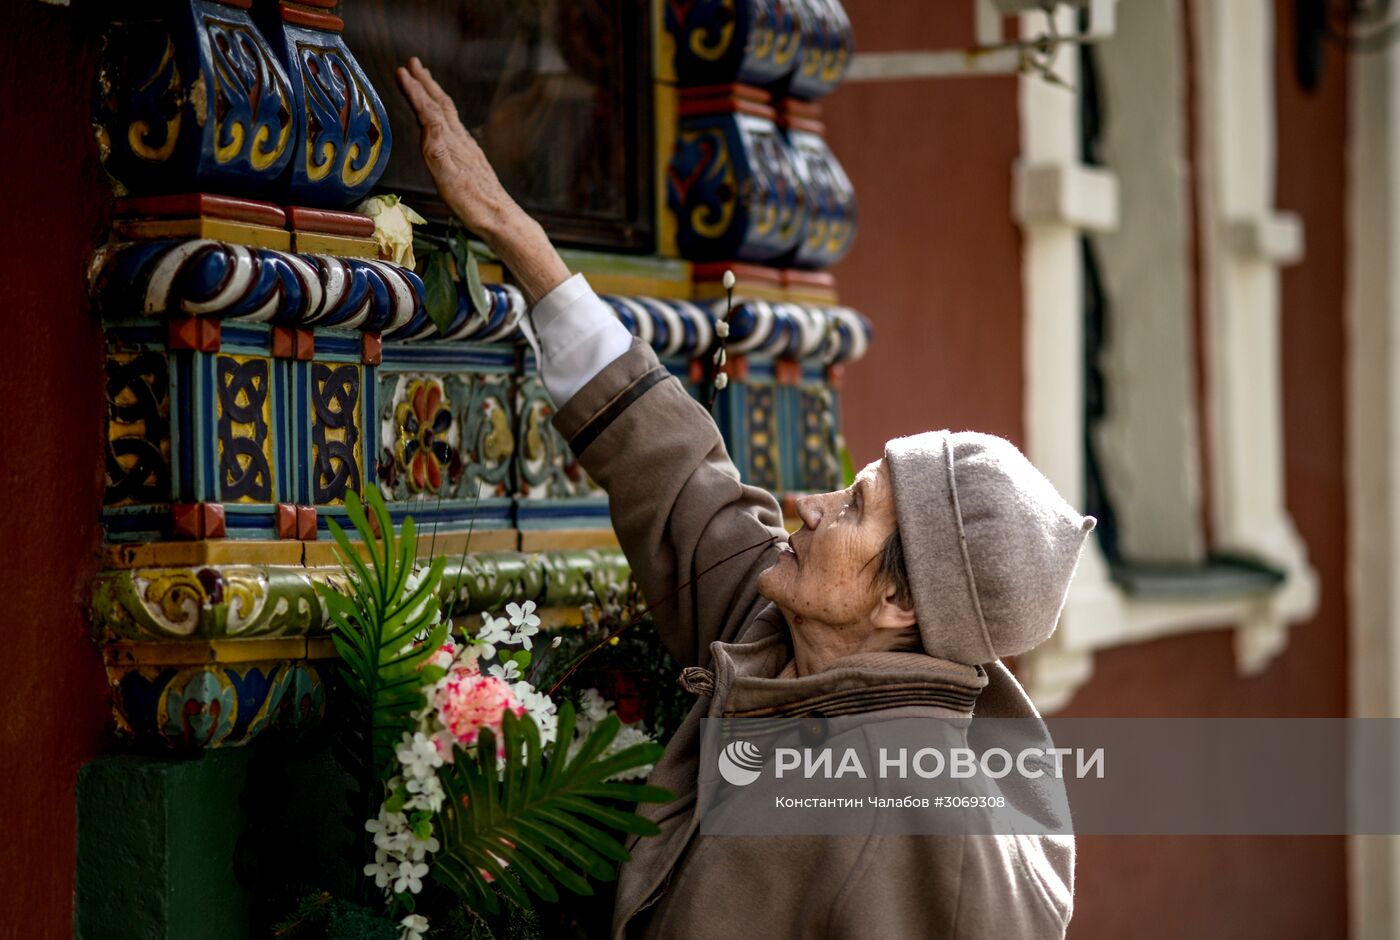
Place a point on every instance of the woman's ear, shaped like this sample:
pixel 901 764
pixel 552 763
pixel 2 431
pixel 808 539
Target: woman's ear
pixel 890 614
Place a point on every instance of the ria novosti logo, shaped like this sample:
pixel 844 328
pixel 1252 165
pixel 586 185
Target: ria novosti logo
pixel 740 763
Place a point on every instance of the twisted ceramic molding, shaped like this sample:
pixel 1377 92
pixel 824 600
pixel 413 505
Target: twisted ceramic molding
pixel 203 277
pixel 224 602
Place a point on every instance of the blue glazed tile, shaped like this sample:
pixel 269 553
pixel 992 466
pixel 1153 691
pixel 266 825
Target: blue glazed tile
pixel 301 431
pixel 283 441
pixel 182 433
pixel 369 423
pixel 345 142
pixel 193 98
pixel 206 423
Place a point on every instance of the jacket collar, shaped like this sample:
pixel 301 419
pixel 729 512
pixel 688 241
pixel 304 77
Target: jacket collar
pixel 747 680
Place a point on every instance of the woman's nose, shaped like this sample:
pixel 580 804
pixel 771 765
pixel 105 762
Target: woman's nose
pixel 810 510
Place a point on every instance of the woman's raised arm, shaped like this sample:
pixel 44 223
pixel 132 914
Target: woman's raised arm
pixel 471 190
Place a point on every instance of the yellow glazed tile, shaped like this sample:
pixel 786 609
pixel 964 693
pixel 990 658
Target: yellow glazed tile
pixel 239 233
pixel 341 246
pixel 215 552
pixel 714 290
pixel 815 296
pixel 196 653
pixel 631 285
pixel 563 539
pixel 666 104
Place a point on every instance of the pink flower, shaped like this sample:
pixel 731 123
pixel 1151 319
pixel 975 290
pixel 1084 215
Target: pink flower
pixel 442 657
pixel 469 702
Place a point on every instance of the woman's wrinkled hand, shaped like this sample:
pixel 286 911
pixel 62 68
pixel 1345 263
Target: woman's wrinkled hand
pixel 463 175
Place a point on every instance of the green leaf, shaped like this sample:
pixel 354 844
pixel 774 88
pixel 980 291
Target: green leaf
pixel 373 628
pixel 481 304
pixel 396 800
pixel 440 297
pixel 554 826
pixel 522 659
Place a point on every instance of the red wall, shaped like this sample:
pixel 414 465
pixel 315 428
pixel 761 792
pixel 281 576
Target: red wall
pixel 937 259
pixel 52 709
pixel 937 266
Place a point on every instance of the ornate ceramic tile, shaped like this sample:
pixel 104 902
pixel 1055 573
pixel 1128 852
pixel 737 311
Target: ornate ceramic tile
pixel 138 428
pixel 335 431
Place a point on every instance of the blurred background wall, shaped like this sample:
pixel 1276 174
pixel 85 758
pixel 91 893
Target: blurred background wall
pixel 938 266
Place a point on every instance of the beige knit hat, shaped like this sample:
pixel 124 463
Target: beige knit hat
pixel 989 543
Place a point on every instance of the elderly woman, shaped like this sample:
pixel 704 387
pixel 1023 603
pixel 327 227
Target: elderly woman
pixel 901 591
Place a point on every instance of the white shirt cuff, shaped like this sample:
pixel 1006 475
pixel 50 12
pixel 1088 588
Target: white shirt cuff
pixel 575 334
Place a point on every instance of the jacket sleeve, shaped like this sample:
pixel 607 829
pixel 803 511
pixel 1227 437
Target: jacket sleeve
pixel 677 504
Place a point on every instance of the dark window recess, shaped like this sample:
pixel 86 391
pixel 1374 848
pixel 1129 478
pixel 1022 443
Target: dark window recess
pixel 1222 575
pixel 1096 323
pixel 558 93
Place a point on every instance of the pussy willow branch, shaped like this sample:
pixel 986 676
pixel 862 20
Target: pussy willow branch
pixel 648 609
pixel 719 356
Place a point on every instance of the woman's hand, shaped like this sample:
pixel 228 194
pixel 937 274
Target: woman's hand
pixel 463 174
pixel 469 186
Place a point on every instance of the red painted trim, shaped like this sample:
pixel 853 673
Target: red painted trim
pixel 328 222
pixel 286 521
pixel 793 277
pixel 371 349
pixel 737 90
pixel 743 271
pixel 306 523
pixel 313 19
pixel 727 106
pixel 284 342
pixel 197 205
pixel 211 517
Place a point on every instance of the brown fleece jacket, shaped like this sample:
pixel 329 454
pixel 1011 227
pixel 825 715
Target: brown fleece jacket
pixel 678 507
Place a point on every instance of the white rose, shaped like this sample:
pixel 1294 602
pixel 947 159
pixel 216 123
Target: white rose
pixel 393 227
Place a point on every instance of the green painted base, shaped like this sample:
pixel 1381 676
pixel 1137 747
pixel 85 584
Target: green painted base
pixel 156 848
pixel 221 845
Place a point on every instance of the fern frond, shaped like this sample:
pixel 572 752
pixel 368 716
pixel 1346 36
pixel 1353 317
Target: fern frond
pixel 535 825
pixel 374 628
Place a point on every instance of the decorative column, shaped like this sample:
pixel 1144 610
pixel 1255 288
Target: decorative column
pixel 753 188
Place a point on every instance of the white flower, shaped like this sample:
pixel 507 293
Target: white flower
pixel 728 280
pixel 419 848
pixel 722 329
pixel 721 381
pixel 494 630
pixel 384 869
pixel 554 643
pixel 418 755
pixel 393 227
pixel 539 707
pixel 410 877
pixel 522 616
pixel 428 793
pixel 507 672
pixel 390 830
pixel 593 706
pixel 627 736
pixel 525 622
pixel 414 927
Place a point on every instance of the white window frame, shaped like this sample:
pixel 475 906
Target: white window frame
pixel 1244 243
